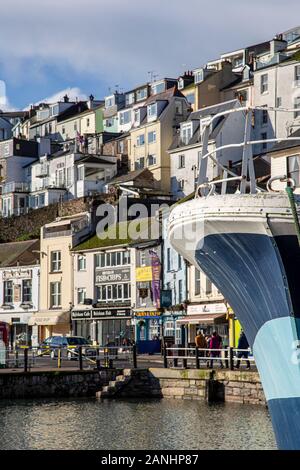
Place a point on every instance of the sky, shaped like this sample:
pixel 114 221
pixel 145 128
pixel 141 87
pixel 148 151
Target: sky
pixel 50 47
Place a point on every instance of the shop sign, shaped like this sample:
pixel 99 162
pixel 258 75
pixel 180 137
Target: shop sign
pixel 144 274
pixel 113 312
pixel 112 275
pixel 17 274
pixel 206 308
pixel 81 315
pixel 166 298
pixel 147 314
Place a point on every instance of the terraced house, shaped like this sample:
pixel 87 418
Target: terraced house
pixel 157 120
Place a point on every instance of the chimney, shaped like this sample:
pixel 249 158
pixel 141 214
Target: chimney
pixel 90 102
pixel 277 45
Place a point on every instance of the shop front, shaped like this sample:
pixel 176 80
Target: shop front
pixel 207 318
pixel 19 331
pixel 171 327
pixel 148 331
pixel 50 323
pixel 104 326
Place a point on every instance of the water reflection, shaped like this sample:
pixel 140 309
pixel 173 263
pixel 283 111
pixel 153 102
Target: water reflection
pixel 138 424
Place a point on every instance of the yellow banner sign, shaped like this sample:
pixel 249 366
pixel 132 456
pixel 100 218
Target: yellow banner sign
pixel 144 274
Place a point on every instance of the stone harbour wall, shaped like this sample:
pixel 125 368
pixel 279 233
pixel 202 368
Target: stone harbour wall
pixel 191 384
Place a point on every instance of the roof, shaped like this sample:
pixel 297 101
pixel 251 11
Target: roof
pixel 118 234
pixel 76 108
pixel 164 96
pixel 93 159
pixel 20 253
pixel 132 176
pixel 286 144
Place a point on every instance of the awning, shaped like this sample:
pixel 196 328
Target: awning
pixel 49 318
pixel 201 319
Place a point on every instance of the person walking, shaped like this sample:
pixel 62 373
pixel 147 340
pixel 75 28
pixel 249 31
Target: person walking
pixel 215 344
pixel 200 343
pixel 243 344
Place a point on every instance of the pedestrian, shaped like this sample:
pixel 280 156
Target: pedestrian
pixel 214 345
pixel 243 344
pixel 200 343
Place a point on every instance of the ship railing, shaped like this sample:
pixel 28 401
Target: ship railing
pixel 194 357
pixel 247 177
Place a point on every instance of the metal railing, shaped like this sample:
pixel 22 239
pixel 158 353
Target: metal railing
pixel 83 357
pixel 196 358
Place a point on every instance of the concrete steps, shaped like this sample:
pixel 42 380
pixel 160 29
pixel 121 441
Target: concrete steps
pixel 114 386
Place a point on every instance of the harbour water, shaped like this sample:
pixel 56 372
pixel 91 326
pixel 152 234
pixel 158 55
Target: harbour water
pixel 133 424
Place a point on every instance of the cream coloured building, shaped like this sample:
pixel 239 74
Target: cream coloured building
pixel 156 124
pixel 56 274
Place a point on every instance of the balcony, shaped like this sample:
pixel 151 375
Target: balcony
pixel 42 171
pixel 14 187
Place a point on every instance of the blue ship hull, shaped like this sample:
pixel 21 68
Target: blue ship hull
pixel 258 276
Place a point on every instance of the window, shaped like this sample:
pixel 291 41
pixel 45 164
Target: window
pixel 179 262
pixel 264 83
pixel 141 94
pixel 8 292
pixel 191 98
pixel 158 88
pixel 118 258
pixel 121 146
pixel 169 259
pixel 109 102
pixel 181 161
pixel 81 295
pixel 152 110
pixel 80 173
pixel 265 117
pixel 297 75
pixel 125 117
pixel 81 263
pixel 137 116
pixel 181 185
pixel 264 136
pixel 140 140
pixel 180 290
pixel 297 105
pixel 55 261
pixel 113 292
pixel 180 84
pixel 197 282
pixel 75 126
pixel 63 130
pixel 87 122
pixel 151 160
pixel 109 122
pixel 129 99
pixel 178 107
pixel 140 163
pixel 278 102
pixel 55 294
pixel 208 289
pixel 198 76
pixel 27 290
pixel 151 137
pixel 186 133
pixel 69 176
pixel 293 168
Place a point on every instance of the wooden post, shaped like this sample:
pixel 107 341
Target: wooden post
pixel 59 358
pixel 197 358
pixel 231 365
pixel 26 360
pixel 134 356
pixel 80 358
pixel 165 357
pixel 98 364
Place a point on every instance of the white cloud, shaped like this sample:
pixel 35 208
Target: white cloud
pixel 73 93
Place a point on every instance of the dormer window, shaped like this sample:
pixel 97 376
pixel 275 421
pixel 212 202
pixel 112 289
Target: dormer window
pixel 152 111
pixel 158 88
pixel 109 102
pixel 141 94
pixel 125 117
pixel 186 133
pixel 198 76
pixel 129 99
pixel 137 117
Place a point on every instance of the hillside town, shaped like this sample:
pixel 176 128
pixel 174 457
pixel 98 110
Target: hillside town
pixel 64 165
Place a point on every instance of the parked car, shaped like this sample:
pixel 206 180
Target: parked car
pixel 69 346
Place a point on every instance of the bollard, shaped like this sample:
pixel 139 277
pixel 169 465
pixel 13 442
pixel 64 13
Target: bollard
pixel 184 363
pixel 231 365
pixel 226 359
pixel 134 356
pixel 80 358
pixel 98 363
pixel 59 358
pixel 17 358
pixel 197 358
pixel 165 357
pixel 26 360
